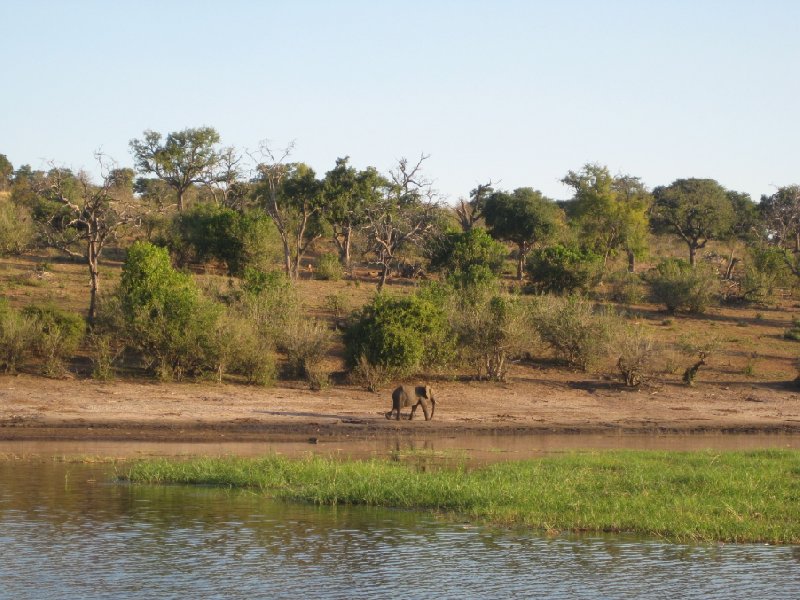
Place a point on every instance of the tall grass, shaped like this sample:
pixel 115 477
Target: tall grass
pixel 731 497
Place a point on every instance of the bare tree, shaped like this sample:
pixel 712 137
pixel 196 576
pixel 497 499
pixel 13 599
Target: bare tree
pixel 93 214
pixel 226 182
pixel 469 212
pixel 402 216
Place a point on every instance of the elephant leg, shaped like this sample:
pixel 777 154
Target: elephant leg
pixel 425 410
pixel 413 410
pixel 433 407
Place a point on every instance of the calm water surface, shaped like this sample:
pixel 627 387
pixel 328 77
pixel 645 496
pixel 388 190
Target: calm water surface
pixel 69 531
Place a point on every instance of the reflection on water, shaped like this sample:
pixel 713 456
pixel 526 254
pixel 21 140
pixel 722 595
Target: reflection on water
pixel 480 448
pixel 67 532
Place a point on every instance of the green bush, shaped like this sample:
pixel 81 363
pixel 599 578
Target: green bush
pixel 329 268
pixel 491 330
pixel 209 232
pixel 637 355
pixel 561 269
pixel 306 342
pixel 16 228
pixel 18 335
pixel 105 350
pixel 576 332
pixel 679 286
pixel 765 271
pixel 60 334
pixel 403 334
pixel 625 287
pixel 337 304
pixel 270 301
pixel 467 258
pixel 166 319
pixel 242 350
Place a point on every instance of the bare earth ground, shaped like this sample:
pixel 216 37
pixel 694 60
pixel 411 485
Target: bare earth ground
pixel 36 408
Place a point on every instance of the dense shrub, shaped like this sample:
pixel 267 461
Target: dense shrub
pixel 104 350
pixel 16 228
pixel 491 329
pixel 765 271
pixel 467 258
pixel 60 333
pixel 209 232
pixel 576 332
pixel 329 268
pixel 166 318
pixel 242 350
pixel 18 336
pixel 637 355
pixel 562 269
pixel 679 286
pixel 306 343
pixel 625 287
pixel 337 304
pixel 402 334
pixel 270 301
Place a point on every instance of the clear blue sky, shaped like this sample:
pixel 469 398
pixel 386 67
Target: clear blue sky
pixel 519 92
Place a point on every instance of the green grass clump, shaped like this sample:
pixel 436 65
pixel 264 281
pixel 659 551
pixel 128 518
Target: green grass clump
pixel 698 496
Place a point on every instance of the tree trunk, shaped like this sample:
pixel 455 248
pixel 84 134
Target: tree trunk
pixel 94 282
pixel 631 262
pixel 287 257
pixel 521 261
pixel 348 235
pixel 732 260
pixel 180 201
pixel 384 276
pixel 692 254
pixel 342 241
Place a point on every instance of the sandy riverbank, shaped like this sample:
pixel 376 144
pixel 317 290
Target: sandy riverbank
pixel 38 408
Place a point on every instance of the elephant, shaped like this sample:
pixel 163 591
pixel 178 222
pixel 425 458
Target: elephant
pixel 413 396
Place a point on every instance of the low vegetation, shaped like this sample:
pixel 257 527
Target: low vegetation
pixel 702 496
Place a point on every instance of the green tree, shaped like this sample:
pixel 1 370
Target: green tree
pixel 748 227
pixel 696 210
pixel 6 173
pixel 610 212
pixel 348 194
pixel 523 217
pixel 185 158
pixel 292 196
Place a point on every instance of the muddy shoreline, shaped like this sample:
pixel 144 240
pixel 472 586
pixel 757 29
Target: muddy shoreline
pixel 35 408
pixel 314 432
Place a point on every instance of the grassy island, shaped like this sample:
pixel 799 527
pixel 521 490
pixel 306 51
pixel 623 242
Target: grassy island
pixel 681 496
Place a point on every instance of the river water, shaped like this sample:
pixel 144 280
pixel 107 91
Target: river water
pixel 70 530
